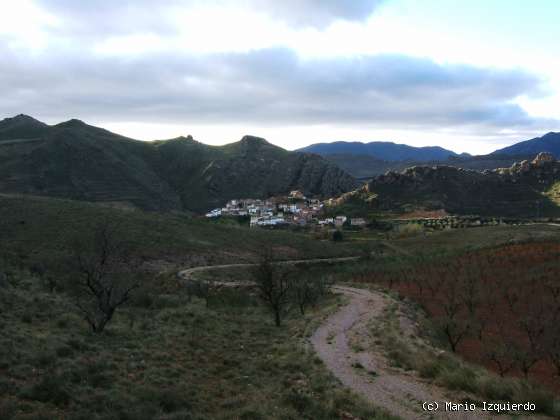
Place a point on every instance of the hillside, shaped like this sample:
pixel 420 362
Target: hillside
pixel 81 162
pixel 78 161
pixel 208 175
pixel 45 229
pixel 21 127
pixel 550 143
pixel 166 354
pixel 381 150
pixel 523 190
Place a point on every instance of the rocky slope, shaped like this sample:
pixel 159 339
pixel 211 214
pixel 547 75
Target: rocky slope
pixel 521 190
pixel 206 176
pixel 79 161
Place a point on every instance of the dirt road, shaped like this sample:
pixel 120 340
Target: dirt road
pixel 368 372
pixel 187 274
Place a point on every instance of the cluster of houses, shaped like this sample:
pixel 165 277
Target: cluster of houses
pixel 295 209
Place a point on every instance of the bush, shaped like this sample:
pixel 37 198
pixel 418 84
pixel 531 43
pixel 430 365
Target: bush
pixel 50 388
pixel 499 389
pixel 8 409
pixel 4 282
pixel 337 236
pixel 168 399
pixel 429 370
pixel 27 317
pixel 45 358
pixel 64 351
pixel 409 230
pixel 459 379
pixel 543 400
pixel 142 299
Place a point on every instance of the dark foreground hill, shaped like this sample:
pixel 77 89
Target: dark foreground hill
pixel 526 189
pixel 78 161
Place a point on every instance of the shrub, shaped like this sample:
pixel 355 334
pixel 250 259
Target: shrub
pixel 45 358
pixel 459 379
pixel 64 351
pixel 499 389
pixel 429 370
pixel 50 388
pixel 142 299
pixel 544 401
pixel 337 236
pixel 27 317
pixel 167 399
pixel 8 409
pixel 409 230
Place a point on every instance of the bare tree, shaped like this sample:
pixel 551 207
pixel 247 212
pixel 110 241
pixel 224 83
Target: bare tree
pixel 552 345
pixel 307 291
pixel 274 286
pixel 103 263
pixel 452 325
pixel 202 289
pixel 48 279
pixel 501 355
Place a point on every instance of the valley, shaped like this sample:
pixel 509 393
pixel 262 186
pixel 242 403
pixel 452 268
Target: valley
pixel 203 353
pixel 303 293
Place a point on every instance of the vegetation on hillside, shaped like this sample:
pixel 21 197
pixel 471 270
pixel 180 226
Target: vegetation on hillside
pixel 45 229
pixel 164 353
pixel 164 356
pixel 78 161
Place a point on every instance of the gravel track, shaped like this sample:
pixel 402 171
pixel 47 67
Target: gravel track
pixel 400 394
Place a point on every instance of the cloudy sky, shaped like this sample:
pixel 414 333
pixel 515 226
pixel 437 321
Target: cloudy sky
pixel 469 75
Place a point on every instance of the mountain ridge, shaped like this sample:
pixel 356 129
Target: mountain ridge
pixel 75 160
pixel 361 162
pixel 382 150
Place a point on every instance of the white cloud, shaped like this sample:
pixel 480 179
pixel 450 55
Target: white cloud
pixel 362 66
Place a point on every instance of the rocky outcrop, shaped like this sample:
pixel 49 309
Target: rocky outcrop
pixel 208 176
pixel 513 191
pixel 541 172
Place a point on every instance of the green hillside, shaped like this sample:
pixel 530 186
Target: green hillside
pixel 166 354
pixel 40 229
pixel 78 161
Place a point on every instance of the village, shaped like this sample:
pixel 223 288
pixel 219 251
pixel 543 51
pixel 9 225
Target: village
pixel 292 210
pixel 297 210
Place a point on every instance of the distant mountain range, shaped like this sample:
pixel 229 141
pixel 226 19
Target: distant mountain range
pixel 548 143
pixel 79 161
pixel 366 160
pixel 381 150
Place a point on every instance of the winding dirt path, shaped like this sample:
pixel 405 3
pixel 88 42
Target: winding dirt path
pixel 187 274
pixel 368 372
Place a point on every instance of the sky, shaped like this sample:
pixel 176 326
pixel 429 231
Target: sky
pixel 468 75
